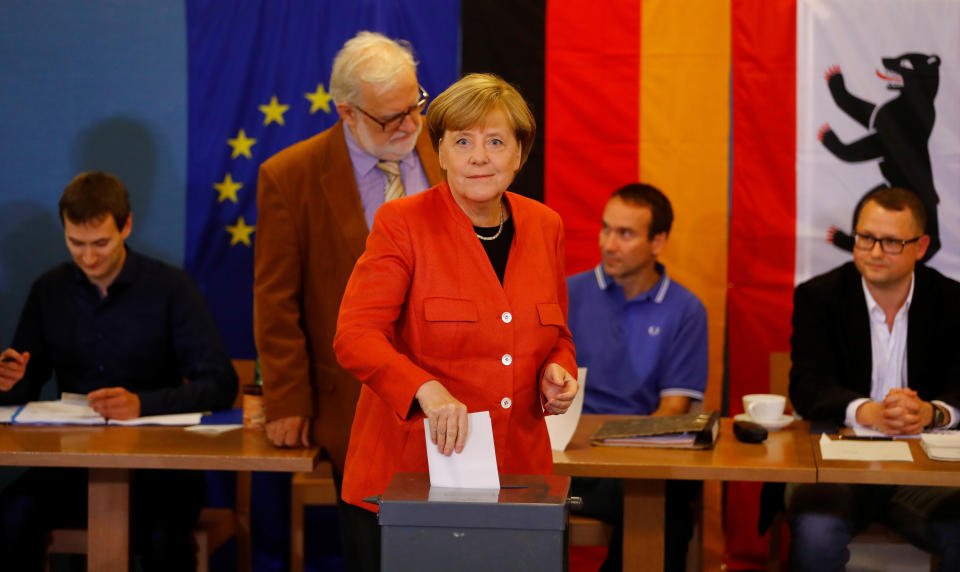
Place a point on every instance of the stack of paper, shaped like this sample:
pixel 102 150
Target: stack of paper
pixel 850 450
pixel 72 413
pixel 57 413
pixel 941 446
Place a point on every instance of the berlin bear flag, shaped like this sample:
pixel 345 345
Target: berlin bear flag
pixel 831 98
pixel 877 94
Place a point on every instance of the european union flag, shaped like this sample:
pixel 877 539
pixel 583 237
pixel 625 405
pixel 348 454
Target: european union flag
pixel 258 73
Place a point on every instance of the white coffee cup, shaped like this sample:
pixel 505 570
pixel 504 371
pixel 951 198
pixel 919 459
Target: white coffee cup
pixel 764 406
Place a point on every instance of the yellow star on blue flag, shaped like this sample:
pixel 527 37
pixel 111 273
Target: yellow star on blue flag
pixel 240 232
pixel 319 99
pixel 273 112
pixel 228 189
pixel 241 145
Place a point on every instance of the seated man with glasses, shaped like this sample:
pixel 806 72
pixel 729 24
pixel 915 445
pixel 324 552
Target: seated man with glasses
pixel 316 200
pixel 875 345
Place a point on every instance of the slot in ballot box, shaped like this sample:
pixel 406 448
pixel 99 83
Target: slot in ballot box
pixel 522 526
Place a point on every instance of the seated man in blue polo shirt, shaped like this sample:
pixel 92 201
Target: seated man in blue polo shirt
pixel 643 339
pixel 126 330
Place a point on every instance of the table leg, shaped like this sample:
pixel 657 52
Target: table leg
pixel 643 518
pixel 108 520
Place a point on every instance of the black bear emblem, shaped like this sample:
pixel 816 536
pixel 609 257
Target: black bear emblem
pixel 900 130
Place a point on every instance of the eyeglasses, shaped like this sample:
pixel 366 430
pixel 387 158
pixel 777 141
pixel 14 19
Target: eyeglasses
pixel 394 121
pixel 888 245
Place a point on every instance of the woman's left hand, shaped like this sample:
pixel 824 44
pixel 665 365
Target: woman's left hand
pixel 558 387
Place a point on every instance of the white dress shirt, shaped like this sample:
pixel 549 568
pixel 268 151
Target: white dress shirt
pixel 888 351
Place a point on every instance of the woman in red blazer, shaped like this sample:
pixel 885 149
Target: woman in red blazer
pixel 459 304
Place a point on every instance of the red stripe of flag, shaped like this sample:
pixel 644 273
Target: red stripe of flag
pixel 762 225
pixel 593 113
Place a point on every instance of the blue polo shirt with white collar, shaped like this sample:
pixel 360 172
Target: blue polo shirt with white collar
pixel 637 350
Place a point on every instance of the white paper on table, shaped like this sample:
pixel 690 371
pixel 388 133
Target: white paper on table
pixel 840 450
pixel 173 419
pixel 868 432
pixel 562 427
pixel 941 445
pixel 473 468
pixel 211 429
pixel 941 438
pixel 6 413
pixel 57 413
pixel 69 413
pixel 79 399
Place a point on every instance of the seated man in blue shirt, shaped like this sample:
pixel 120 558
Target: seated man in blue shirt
pixel 643 339
pixel 126 330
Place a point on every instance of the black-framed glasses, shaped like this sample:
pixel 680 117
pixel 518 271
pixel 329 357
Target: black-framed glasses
pixel 394 121
pixel 888 244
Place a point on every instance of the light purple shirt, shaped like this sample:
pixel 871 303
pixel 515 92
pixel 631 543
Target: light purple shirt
pixel 371 180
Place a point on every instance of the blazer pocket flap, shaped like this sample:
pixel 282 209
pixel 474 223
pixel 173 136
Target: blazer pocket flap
pixel 450 310
pixel 550 314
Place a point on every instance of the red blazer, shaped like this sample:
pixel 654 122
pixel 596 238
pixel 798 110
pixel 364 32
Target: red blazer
pixel 424 303
pixel 310 231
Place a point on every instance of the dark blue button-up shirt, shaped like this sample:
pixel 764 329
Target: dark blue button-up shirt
pixel 150 333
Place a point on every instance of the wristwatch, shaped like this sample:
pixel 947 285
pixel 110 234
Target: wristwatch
pixel 939 418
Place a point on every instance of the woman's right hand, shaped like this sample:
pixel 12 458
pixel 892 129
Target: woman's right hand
pixel 447 417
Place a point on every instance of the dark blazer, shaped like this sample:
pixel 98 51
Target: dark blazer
pixel 310 231
pixel 830 345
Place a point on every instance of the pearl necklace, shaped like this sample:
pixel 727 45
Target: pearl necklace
pixel 499 230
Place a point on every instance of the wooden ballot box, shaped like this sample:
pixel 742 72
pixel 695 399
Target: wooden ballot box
pixel 520 527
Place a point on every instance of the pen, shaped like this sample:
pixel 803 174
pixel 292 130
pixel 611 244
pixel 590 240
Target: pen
pixel 863 438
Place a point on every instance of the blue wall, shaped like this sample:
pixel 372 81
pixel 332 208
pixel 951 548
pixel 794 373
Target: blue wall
pixel 88 85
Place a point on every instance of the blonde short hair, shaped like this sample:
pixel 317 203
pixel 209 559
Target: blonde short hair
pixel 371 58
pixel 470 100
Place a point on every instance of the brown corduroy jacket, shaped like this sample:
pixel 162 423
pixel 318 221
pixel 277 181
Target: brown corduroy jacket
pixel 311 230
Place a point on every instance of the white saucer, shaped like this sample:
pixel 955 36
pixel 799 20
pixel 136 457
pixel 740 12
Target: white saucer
pixel 775 425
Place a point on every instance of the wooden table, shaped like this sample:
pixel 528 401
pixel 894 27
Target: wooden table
pixel 922 471
pixel 111 452
pixel 786 456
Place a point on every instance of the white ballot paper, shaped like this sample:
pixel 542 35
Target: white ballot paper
pixel 851 450
pixel 562 427
pixel 475 467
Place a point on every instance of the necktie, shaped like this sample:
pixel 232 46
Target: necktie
pixel 394 187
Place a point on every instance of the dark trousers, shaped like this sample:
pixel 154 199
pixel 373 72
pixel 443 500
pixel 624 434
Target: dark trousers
pixel 603 500
pixel 165 506
pixel 824 517
pixel 361 531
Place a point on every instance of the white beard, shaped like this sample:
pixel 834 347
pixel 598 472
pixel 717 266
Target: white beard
pixel 391 150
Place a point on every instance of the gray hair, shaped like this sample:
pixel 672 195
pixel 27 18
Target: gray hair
pixel 371 58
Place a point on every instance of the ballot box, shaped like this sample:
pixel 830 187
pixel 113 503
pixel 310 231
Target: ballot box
pixel 522 526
